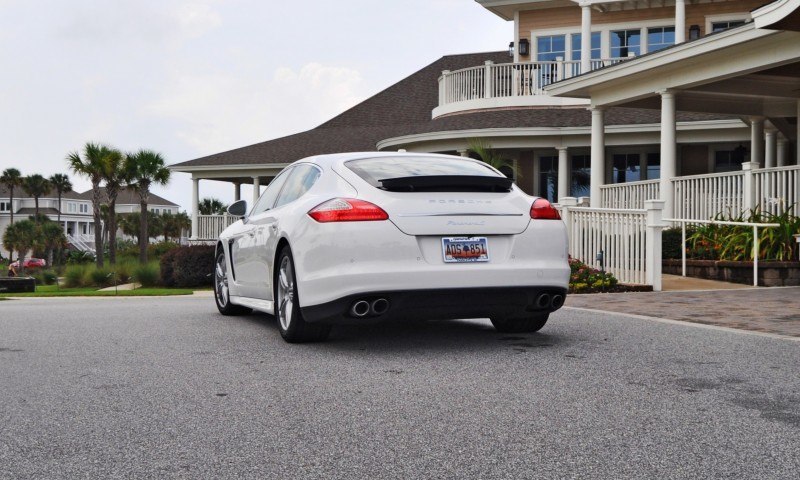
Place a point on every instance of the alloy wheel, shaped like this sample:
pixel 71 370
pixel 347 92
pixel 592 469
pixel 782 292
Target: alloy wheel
pixel 221 281
pixel 285 292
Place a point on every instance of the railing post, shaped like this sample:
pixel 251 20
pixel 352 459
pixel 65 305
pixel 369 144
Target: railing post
pixel 443 88
pixel 748 186
pixel 755 255
pixel 653 242
pixel 560 68
pixel 487 78
pixel 567 204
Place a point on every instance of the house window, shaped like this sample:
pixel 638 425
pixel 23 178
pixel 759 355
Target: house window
pixel 581 176
pixel 550 47
pixel 576 46
pixel 156 211
pixel 548 178
pixel 727 161
pixel 84 208
pixel 624 42
pixel 660 37
pixel 626 168
pixel 719 26
pixel 653 166
pixel 5 206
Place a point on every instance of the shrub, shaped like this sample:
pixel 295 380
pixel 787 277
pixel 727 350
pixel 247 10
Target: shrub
pixel 671 241
pixel 74 276
pixel 188 266
pixel 585 279
pixel 46 277
pixel 98 277
pixel 77 257
pixel 124 270
pixel 147 275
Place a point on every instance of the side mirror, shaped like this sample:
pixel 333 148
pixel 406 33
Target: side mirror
pixel 238 209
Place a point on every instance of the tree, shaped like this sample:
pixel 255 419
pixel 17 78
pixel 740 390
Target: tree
pixel 36 186
pixel 175 224
pixel 492 157
pixel 11 178
pixel 129 224
pixel 211 206
pixel 50 237
pixel 20 236
pixel 114 176
pixel 62 185
pixel 144 169
pixel 92 165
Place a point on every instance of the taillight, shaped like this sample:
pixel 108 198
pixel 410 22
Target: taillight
pixel 544 210
pixel 347 210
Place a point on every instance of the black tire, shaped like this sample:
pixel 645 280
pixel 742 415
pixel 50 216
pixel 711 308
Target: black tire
pixel 222 296
pixel 520 325
pixel 293 328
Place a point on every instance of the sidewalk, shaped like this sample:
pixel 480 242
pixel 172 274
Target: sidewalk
pixel 772 310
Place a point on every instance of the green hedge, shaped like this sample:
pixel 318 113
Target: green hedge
pixel 186 267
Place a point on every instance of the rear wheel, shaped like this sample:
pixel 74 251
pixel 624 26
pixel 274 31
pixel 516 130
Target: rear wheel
pixel 222 295
pixel 294 329
pixel 520 325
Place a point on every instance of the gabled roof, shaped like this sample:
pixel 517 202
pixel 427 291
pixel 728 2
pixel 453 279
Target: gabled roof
pixel 20 194
pixel 128 196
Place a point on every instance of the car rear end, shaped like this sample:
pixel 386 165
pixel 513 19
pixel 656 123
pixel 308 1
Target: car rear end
pixel 455 240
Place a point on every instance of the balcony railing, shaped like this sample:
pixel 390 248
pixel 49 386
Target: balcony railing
pixel 499 80
pixel 210 226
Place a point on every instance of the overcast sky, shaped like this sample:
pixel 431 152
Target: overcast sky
pixel 190 78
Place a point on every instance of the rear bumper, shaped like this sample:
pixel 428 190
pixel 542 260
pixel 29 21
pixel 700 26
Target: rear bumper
pixel 441 304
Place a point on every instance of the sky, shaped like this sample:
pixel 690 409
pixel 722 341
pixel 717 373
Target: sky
pixel 190 78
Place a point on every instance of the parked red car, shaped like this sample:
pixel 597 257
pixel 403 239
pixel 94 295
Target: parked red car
pixel 30 264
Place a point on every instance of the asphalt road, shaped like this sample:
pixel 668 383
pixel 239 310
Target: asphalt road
pixel 155 388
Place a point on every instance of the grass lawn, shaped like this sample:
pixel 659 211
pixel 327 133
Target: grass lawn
pixel 54 291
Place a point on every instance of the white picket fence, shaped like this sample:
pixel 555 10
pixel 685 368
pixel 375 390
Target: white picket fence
pixel 704 196
pixel 629 239
pixel 629 195
pixel 210 226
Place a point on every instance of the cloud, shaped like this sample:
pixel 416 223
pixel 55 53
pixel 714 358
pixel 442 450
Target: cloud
pixel 220 111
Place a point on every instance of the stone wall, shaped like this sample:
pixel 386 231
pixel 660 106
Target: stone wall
pixel 770 274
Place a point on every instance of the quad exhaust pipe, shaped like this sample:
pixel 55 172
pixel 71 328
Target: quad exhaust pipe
pixel 546 301
pixel 362 308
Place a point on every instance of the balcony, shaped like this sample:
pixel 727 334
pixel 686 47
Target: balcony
pixel 499 85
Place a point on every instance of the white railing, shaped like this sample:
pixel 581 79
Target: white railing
pixel 210 226
pixel 629 195
pixel 705 196
pixel 84 243
pixel 508 79
pixel 626 243
pixel 777 189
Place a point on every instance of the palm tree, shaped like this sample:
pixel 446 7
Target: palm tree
pixel 492 157
pixel 36 186
pixel 144 169
pixel 211 206
pixel 92 166
pixel 11 178
pixel 114 176
pixel 175 224
pixel 62 185
pixel 20 236
pixel 51 237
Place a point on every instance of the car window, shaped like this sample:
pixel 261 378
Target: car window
pixel 267 198
pixel 299 182
pixel 373 170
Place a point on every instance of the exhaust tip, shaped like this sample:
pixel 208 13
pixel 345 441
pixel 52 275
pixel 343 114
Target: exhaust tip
pixel 557 302
pixel 543 301
pixel 359 308
pixel 379 306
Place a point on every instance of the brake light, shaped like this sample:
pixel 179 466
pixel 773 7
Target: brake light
pixel 347 210
pixel 544 210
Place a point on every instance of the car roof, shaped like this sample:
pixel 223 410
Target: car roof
pixel 339 158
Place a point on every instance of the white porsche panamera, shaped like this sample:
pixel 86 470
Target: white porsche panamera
pixel 362 237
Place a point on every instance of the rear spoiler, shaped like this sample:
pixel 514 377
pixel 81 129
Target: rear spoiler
pixel 447 183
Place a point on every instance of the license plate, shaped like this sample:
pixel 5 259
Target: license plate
pixel 465 249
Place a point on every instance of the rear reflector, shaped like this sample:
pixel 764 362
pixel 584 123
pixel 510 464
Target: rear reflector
pixel 544 210
pixel 347 210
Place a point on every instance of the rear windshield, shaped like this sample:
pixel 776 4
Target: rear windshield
pixel 373 170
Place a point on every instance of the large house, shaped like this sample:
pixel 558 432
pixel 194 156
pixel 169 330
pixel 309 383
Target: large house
pixel 693 105
pixel 76 211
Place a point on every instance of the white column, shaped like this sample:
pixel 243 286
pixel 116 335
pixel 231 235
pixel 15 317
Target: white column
pixel 598 156
pixel 680 21
pixel 748 187
pixel 757 140
pixel 237 191
pixel 563 173
pixel 669 159
pixel 516 36
pixel 586 37
pixel 782 150
pixel 655 212
pixel 770 147
pixel 464 152
pixel 195 206
pixel 256 189
pixel 797 142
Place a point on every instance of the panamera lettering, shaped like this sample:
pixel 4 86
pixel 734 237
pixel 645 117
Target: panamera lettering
pixel 461 224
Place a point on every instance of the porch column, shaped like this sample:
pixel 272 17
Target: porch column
pixel 781 150
pixel 757 140
pixel 680 21
pixel 237 191
pixel 256 189
pixel 598 156
pixel 586 36
pixel 769 147
pixel 563 173
pixel 195 206
pixel 669 149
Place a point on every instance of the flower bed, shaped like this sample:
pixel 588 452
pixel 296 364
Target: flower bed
pixel 586 279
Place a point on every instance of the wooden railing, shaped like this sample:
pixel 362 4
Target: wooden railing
pixel 629 195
